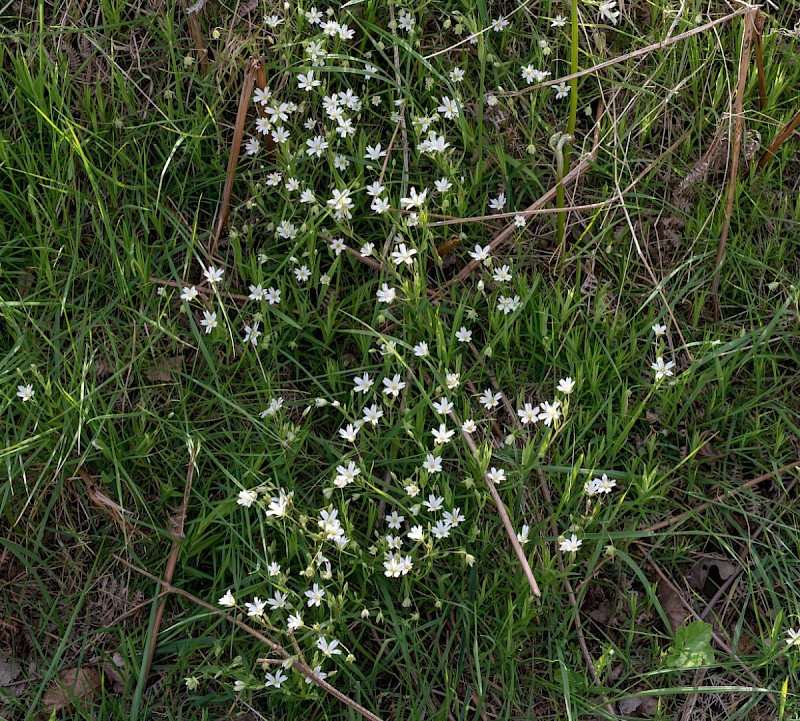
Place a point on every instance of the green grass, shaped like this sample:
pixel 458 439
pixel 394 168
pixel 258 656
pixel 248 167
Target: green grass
pixel 113 150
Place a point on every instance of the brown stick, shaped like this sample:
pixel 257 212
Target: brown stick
pixel 297 664
pixel 779 140
pixel 758 51
pixel 236 146
pixel 736 145
pixel 197 38
pixel 722 496
pixel 172 561
pixel 501 509
pixel 635 54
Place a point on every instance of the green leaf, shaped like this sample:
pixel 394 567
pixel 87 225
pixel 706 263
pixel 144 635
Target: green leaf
pixel 692 647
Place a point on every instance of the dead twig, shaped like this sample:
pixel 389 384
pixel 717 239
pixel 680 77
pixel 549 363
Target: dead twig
pixel 735 148
pixel 784 134
pixel 721 497
pixel 236 146
pixel 297 664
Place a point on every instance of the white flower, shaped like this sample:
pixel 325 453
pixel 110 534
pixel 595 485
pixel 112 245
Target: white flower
pixel 406 21
pixel 239 686
pixel 528 414
pixel 227 600
pixel 26 393
pixel 522 536
pixel 442 435
pixel 337 245
pixel 441 529
pixel 659 330
pixel 275 679
pixel 393 386
pixel 363 383
pixel 292 184
pixel 328 648
pixel 662 369
pixel 421 349
pixel 280 134
pixel 453 380
pixel 432 464
pixel 209 321
pixel 519 221
pixel 607 11
pixel 528 73
pixel 469 426
pixel 508 304
pixel 571 544
pixel 307 82
pixel 481 253
pixel 307 196
pixel 256 608
pixel 315 595
pixel 457 75
pixel 273 296
pixel 294 622
pixel 319 673
pixel 499 202
pixel 448 108
pixel 380 205
pixel 416 533
pixel 401 254
pixel 247 498
pixel 414 199
pixel 374 189
pixel 489 399
pixel 302 273
pixel 604 484
pixel 373 414
pixel 346 475
pixel 502 274
pixel 349 433
pixel 253 146
pixel 792 638
pixel 443 406
pixel 314 16
pixel 367 249
pixel 256 292
pixel 277 601
pixel 386 294
pixel 341 202
pixel 464 335
pixel 340 162
pixel 500 24
pixel 561 90
pixel 213 275
pixel 375 152
pixel 316 145
pixel 278 505
pixel 261 97
pixel 251 334
pixel 412 489
pixel 395 520
pixel 434 503
pixel 274 569
pixel 453 517
pixel 566 385
pixel 496 475
pixel 558 22
pixel 550 412
pixel 189 294
pixel 443 185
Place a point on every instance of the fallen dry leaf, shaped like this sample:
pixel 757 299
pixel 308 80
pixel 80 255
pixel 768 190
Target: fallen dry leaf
pixel 162 372
pixel 710 568
pixel 672 604
pixel 72 684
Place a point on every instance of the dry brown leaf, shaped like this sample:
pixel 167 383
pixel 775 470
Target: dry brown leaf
pixel 163 371
pixel 72 684
pixel 638 707
pixel 672 604
pixel 718 569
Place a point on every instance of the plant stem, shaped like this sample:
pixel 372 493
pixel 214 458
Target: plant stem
pixel 573 114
